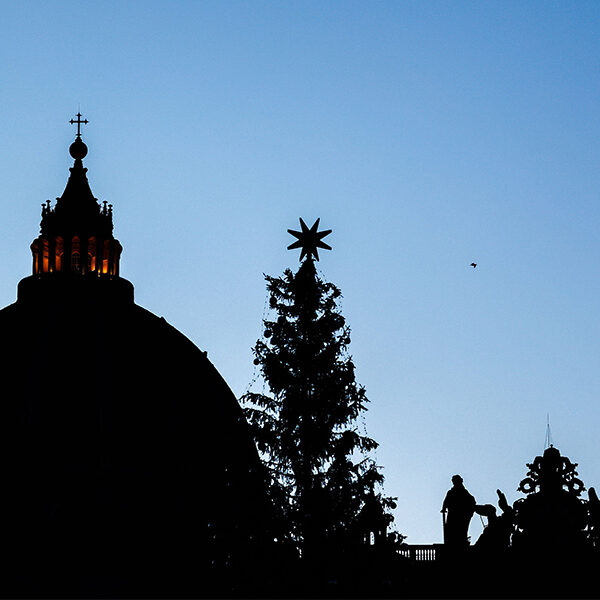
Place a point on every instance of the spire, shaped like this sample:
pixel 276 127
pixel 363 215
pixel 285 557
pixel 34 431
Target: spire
pixel 77 201
pixel 548 440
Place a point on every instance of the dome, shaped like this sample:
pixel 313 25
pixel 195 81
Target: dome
pixel 121 447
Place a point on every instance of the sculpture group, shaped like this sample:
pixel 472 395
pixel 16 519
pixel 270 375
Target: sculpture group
pixel 552 514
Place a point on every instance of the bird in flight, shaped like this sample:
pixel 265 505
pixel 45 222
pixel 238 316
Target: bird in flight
pixel 473 265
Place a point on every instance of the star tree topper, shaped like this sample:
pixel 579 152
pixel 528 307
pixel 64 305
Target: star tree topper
pixel 309 240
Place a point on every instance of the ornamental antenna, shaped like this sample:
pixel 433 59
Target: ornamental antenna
pixel 548 440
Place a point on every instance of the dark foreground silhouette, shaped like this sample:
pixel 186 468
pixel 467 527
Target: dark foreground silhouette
pixel 543 546
pixel 128 470
pixel 458 508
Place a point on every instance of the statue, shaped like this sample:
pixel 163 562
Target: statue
pixel 458 508
pixel 496 535
pixel 551 473
pixel 552 515
pixel 593 508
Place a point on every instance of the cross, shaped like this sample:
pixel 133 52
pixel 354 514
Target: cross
pixel 79 122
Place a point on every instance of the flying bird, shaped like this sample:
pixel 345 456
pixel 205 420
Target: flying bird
pixel 473 265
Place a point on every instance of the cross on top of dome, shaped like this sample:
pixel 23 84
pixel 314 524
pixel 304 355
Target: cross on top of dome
pixel 79 123
pixel 78 149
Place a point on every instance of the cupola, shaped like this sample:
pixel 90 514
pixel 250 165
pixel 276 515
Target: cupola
pixel 76 234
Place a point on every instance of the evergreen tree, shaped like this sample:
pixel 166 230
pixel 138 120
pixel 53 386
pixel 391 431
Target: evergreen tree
pixel 306 428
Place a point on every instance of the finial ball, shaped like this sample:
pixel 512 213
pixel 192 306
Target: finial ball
pixel 78 149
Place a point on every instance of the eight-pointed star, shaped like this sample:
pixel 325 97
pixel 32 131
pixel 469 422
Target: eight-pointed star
pixel 309 240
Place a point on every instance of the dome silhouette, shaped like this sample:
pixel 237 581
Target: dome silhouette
pixel 121 443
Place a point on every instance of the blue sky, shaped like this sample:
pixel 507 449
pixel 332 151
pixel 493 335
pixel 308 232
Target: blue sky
pixel 427 135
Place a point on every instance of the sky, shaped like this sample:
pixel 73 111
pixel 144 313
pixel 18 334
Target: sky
pixel 426 135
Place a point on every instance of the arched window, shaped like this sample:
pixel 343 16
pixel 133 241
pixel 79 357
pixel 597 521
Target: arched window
pixel 75 255
pixel 92 254
pixel 75 262
pixel 59 254
pixel 105 256
pixel 45 255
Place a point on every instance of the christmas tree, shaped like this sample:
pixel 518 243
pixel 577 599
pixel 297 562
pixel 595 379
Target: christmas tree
pixel 322 480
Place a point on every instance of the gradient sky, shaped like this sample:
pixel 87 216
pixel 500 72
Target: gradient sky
pixel 427 135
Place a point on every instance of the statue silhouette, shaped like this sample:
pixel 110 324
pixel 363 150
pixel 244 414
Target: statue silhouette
pixel 593 507
pixel 552 515
pixel 458 508
pixel 496 535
